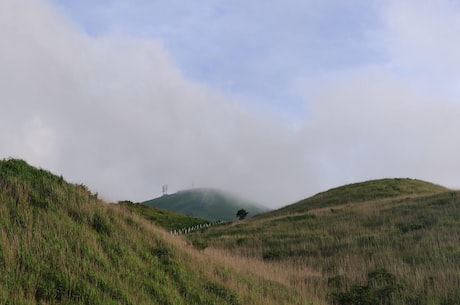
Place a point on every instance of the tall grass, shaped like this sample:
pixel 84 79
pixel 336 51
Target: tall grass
pixel 363 191
pixel 414 238
pixel 163 218
pixel 60 244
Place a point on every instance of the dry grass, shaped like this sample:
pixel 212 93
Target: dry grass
pixel 414 237
pixel 59 244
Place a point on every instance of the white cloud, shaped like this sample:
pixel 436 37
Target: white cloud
pixel 371 124
pixel 117 114
pixel 33 141
pixel 398 118
pixel 421 37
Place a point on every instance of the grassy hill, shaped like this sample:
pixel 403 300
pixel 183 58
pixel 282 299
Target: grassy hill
pixel 364 191
pixel 389 241
pixel 164 218
pixel 60 244
pixel 208 204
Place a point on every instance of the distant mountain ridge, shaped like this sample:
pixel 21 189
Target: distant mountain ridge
pixel 206 203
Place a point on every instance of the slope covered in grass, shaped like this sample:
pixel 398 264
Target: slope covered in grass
pixel 164 218
pixel 209 204
pixel 364 191
pixel 393 242
pixel 60 244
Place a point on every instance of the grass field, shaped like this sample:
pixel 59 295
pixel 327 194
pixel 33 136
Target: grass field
pixel 389 241
pixel 60 244
pixel 409 239
pixel 166 219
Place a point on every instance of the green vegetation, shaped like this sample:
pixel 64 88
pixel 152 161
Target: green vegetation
pixel 364 191
pixel 164 218
pixel 208 204
pixel 241 214
pixel 389 241
pixel 60 244
pixel 379 289
pixel 408 228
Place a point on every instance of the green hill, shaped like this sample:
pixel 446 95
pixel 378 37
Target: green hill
pixel 364 191
pixel 60 244
pixel 389 241
pixel 164 218
pixel 204 203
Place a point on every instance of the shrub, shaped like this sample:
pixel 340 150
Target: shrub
pixel 336 281
pixel 101 225
pixel 450 300
pixel 378 290
pixel 222 292
pixel 199 243
pixel 273 254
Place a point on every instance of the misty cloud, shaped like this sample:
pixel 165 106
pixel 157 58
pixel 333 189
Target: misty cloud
pixel 117 114
pixel 371 124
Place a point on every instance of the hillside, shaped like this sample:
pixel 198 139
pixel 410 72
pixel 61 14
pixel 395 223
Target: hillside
pixel 60 244
pixel 209 204
pixel 364 191
pixel 164 218
pixel 389 241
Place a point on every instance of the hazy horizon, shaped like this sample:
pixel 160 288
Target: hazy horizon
pixel 272 101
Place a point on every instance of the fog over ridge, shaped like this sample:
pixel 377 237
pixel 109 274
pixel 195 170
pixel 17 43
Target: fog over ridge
pixel 118 114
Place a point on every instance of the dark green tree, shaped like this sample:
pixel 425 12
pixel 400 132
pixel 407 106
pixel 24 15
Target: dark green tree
pixel 241 214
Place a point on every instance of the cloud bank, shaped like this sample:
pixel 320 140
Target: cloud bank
pixel 117 114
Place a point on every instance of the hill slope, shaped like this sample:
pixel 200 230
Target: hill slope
pixel 209 204
pixel 364 191
pixel 60 244
pixel 390 241
pixel 164 218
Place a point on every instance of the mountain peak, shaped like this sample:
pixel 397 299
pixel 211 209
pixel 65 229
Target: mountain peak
pixel 207 203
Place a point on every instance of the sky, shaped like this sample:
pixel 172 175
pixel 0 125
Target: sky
pixel 275 101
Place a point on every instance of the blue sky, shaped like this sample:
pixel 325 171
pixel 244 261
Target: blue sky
pixel 275 101
pixel 253 50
